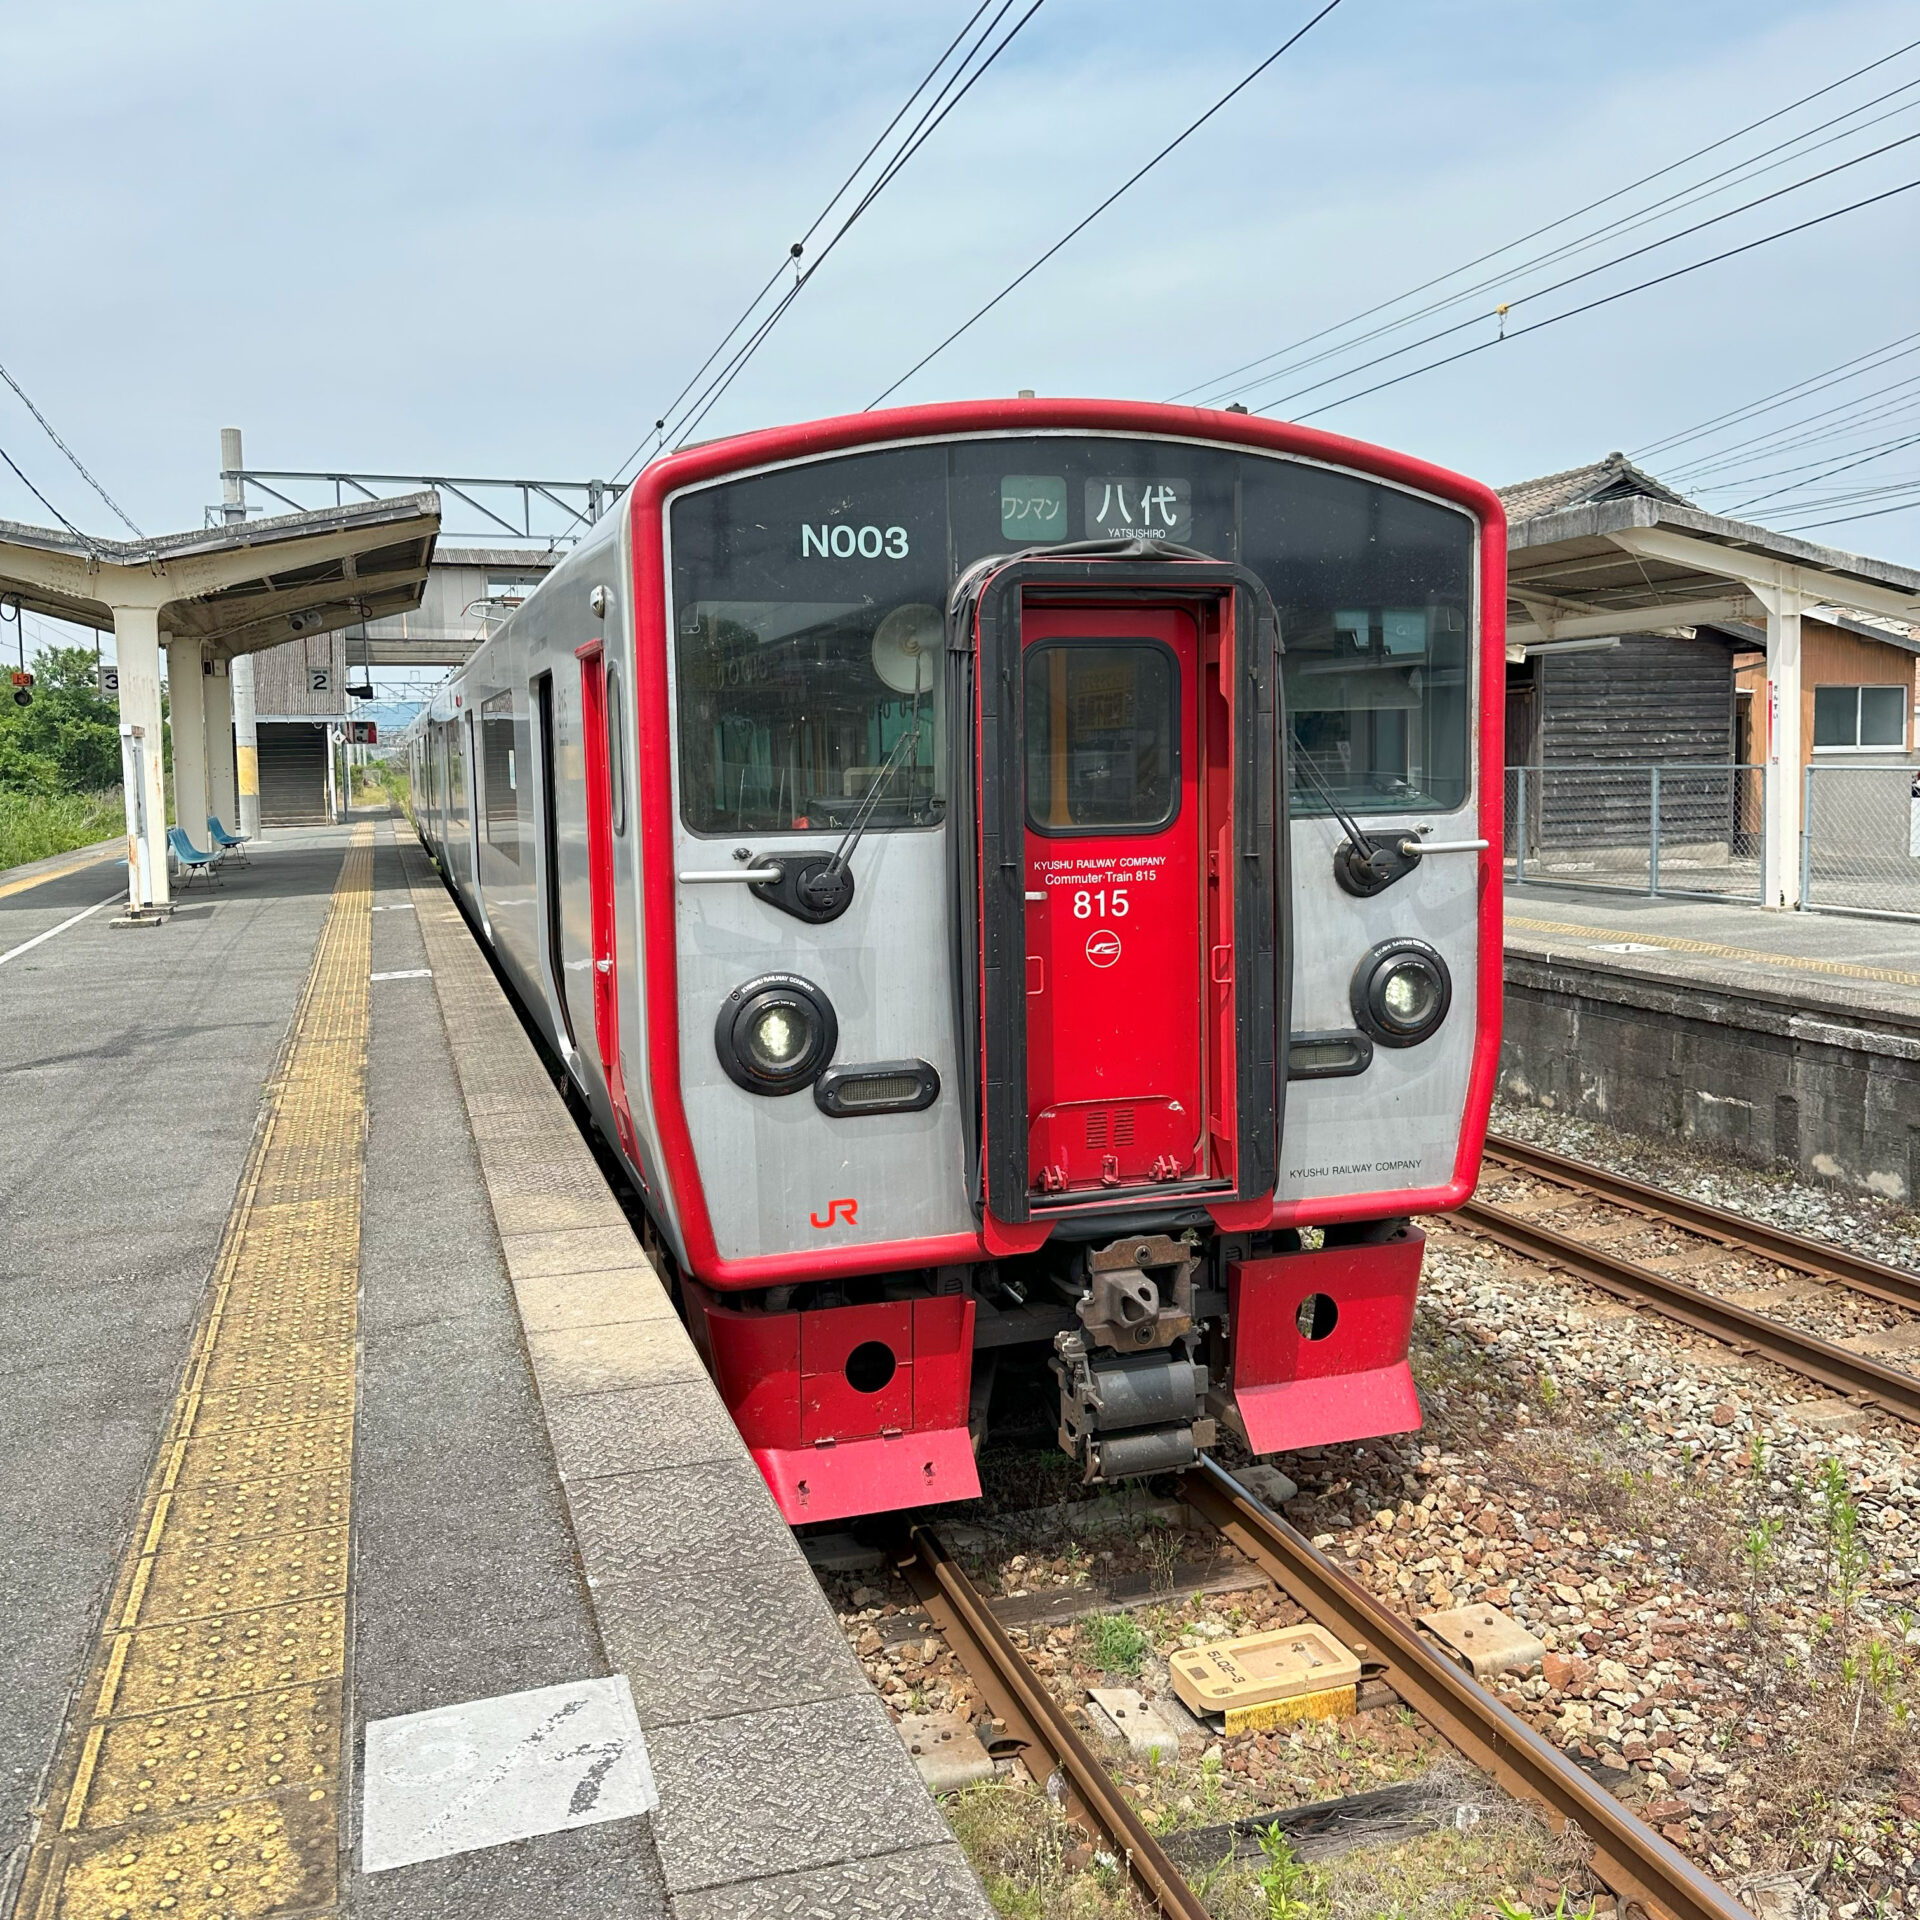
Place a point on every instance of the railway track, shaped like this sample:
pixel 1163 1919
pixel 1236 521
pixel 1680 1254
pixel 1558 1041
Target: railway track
pixel 1642 1870
pixel 1866 1382
pixel 1818 1259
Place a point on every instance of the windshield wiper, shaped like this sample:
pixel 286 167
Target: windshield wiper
pixel 1359 865
pixel 829 887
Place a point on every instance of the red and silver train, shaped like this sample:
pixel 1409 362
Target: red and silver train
pixel 1018 887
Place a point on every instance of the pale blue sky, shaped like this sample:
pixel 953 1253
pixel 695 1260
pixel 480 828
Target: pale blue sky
pixel 496 239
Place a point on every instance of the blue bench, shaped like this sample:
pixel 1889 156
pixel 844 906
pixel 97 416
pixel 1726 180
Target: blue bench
pixel 190 857
pixel 225 843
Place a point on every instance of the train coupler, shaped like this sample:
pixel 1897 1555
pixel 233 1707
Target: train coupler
pixel 1139 1292
pixel 1122 1415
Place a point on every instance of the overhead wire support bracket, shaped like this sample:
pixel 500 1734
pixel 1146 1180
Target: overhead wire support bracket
pixel 581 499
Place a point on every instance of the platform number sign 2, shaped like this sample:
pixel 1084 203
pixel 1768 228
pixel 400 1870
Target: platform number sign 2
pixel 319 679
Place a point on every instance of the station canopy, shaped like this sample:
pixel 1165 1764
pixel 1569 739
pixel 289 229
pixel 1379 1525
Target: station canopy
pixel 239 587
pixel 1608 549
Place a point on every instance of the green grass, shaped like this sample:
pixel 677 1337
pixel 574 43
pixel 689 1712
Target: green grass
pixel 1114 1643
pixel 33 825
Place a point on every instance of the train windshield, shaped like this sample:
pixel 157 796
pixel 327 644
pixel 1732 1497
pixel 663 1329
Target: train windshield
pixel 808 611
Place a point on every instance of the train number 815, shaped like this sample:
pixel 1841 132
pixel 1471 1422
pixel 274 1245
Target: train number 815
pixel 1103 903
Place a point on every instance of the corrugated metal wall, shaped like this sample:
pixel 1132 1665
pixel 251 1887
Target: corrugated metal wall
pixel 293 774
pixel 282 677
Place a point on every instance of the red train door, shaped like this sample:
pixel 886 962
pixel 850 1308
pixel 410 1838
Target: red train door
pixel 1116 898
pixel 601 801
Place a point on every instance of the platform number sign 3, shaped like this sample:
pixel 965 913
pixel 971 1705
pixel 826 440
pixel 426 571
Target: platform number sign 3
pixel 109 681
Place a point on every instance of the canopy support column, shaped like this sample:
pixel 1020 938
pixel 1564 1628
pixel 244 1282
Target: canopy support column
pixel 186 687
pixel 222 789
pixel 136 634
pixel 1784 607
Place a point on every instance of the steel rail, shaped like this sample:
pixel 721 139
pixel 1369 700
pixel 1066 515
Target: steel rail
pixel 1049 1745
pixel 1864 1381
pixel 1633 1861
pixel 1815 1258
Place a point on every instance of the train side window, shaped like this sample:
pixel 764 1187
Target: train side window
pixel 616 752
pixel 1103 736
pixel 500 776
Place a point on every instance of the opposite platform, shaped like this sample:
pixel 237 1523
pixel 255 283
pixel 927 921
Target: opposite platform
pixel 1782 1038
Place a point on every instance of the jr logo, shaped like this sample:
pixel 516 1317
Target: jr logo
pixel 838 1210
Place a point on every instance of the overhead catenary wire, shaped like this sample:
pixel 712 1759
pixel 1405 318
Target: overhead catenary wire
pixel 1785 396
pixel 78 465
pixel 1846 519
pixel 1843 466
pixel 794 252
pixel 1726 181
pixel 1222 382
pixel 1852 435
pixel 695 401
pixel 919 139
pixel 1500 313
pixel 1082 225
pixel 1607 299
pixel 1848 416
pixel 1814 471
pixel 1811 470
pixel 38 495
pixel 1856 496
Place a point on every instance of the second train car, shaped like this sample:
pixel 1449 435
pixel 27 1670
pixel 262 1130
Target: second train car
pixel 1017 884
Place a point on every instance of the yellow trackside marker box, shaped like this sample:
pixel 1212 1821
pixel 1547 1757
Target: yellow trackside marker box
pixel 1266 1679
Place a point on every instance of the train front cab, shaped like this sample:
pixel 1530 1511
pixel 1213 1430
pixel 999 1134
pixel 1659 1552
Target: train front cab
pixel 1125 937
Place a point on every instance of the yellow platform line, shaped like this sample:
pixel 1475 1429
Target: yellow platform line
pixel 199 1776
pixel 1793 962
pixel 97 857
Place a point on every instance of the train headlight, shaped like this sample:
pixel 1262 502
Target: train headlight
pixel 1401 992
pixel 776 1033
pixel 773 1037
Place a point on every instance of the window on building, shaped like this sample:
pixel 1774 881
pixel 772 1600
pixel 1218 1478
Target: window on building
pixel 1859 719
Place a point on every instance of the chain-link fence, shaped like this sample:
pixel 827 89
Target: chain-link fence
pixel 1860 840
pixel 1666 829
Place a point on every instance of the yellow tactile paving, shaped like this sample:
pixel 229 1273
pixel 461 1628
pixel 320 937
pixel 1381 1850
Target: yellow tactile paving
pixel 200 1776
pixel 1793 962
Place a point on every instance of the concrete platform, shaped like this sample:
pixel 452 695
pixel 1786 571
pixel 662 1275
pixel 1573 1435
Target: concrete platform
pixel 1783 1038
pixel 338 1389
pixel 1844 962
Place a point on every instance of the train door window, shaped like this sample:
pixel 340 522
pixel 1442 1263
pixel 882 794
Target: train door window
pixel 616 752
pixel 500 776
pixel 550 847
pixel 1102 736
pixel 456 773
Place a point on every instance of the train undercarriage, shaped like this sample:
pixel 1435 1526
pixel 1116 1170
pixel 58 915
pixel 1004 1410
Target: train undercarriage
pixel 863 1394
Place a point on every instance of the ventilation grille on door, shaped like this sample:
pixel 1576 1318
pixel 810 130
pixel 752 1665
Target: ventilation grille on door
pixel 1109 1126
